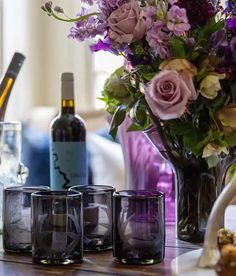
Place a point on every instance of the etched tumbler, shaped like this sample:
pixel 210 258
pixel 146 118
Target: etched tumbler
pixel 138 227
pixel 17 217
pixel 97 203
pixel 57 227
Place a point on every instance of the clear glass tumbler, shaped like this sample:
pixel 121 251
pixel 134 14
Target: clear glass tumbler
pixel 57 227
pixel 97 202
pixel 10 150
pixel 17 217
pixel 138 227
pixel 12 171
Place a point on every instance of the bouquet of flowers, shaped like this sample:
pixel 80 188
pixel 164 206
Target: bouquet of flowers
pixel 179 70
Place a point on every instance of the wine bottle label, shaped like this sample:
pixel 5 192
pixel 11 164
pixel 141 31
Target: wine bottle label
pixel 68 165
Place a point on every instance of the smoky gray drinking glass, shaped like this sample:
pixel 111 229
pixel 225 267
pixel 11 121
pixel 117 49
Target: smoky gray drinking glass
pixel 97 204
pixel 17 217
pixel 57 227
pixel 138 227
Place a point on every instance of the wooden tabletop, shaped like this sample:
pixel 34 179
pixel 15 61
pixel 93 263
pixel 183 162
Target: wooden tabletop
pixel 101 263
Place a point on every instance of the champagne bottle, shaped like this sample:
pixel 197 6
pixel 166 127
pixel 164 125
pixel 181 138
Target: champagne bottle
pixel 8 82
pixel 68 162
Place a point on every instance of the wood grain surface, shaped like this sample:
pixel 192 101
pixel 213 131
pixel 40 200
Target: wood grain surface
pixel 101 263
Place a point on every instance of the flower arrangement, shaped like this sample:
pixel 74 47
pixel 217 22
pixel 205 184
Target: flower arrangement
pixel 179 70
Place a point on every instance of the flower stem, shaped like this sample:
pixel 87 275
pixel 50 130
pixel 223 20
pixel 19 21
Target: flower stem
pixel 213 119
pixel 83 17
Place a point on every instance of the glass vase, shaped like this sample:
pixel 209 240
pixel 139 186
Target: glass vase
pixel 197 186
pixel 145 169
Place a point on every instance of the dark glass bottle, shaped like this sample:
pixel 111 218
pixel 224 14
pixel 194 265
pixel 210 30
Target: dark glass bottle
pixel 8 81
pixel 68 161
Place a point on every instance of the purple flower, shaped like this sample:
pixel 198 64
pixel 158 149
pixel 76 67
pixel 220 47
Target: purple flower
pixel 231 6
pixel 177 20
pixel 149 12
pixel 89 28
pixel 219 39
pixel 190 41
pixel 198 11
pixel 104 45
pixel 158 39
pixel 231 24
pixel 233 46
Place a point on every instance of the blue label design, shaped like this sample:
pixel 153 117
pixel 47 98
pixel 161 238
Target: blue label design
pixel 68 165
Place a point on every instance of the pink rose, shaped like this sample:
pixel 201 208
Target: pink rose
pixel 126 24
pixel 168 94
pixel 185 69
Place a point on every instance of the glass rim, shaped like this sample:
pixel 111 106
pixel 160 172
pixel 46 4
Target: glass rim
pixel 151 128
pixel 56 194
pixel 92 189
pixel 141 194
pixel 27 188
pixel 10 123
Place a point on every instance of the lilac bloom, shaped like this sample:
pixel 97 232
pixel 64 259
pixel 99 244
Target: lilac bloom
pixel 177 20
pixel 88 28
pixel 158 39
pixel 149 12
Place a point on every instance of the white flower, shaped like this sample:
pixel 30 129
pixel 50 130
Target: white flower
pixel 211 153
pixel 213 149
pixel 210 85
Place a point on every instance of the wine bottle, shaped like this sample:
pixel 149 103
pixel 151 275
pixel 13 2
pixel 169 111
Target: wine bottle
pixel 68 161
pixel 8 82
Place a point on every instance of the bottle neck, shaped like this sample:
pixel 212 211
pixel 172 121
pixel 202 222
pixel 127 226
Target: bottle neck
pixel 67 106
pixel 67 94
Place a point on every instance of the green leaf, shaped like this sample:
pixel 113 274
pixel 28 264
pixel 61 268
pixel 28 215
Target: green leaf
pixel 104 99
pixel 140 114
pixel 148 76
pixel 137 48
pixel 231 140
pixel 177 48
pixel 230 173
pixel 217 135
pixel 134 127
pixel 117 119
pixel 191 141
pixel 141 117
pixel 201 74
pixel 194 55
pixel 203 142
pixel 213 26
pixel 218 102
pixel 180 127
